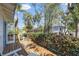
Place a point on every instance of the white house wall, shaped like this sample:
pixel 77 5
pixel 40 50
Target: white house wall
pixel 1 34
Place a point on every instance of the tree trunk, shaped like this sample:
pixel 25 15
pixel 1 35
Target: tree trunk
pixel 45 25
pixel 76 24
pixel 76 31
pixel 65 27
pixel 50 22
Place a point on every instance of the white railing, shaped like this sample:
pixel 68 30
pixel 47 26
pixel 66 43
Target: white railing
pixel 14 51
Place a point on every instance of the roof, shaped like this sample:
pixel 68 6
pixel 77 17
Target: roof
pixel 7 10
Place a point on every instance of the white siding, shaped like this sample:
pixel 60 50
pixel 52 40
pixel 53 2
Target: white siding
pixel 1 34
pixel 56 29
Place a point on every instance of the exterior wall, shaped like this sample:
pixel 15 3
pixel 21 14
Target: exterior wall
pixel 56 29
pixel 4 35
pixel 3 29
pixel 1 34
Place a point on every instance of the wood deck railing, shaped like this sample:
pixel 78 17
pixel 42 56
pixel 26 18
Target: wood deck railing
pixel 10 47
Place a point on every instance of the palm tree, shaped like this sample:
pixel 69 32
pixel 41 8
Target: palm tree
pixel 38 13
pixel 28 21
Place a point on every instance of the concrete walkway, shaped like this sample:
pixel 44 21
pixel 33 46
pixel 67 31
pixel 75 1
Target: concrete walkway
pixel 35 50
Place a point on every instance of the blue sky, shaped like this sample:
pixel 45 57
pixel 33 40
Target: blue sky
pixel 32 11
pixel 64 7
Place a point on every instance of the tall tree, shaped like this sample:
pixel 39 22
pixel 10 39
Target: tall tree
pixel 18 8
pixel 38 13
pixel 74 10
pixel 28 21
pixel 51 12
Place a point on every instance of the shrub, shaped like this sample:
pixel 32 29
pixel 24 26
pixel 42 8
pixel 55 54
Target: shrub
pixel 62 44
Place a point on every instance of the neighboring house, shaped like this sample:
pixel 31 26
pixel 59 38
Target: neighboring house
pixel 9 45
pixel 57 26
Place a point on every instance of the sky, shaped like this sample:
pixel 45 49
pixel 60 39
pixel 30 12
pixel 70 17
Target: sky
pixel 30 9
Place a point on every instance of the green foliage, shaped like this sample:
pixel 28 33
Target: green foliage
pixel 12 32
pixel 29 26
pixel 27 15
pixel 62 45
pixel 28 21
pixel 33 35
pixel 74 11
pixel 18 7
pixel 71 26
pixel 52 12
pixel 37 17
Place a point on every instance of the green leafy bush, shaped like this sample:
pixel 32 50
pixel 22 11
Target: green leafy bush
pixel 61 44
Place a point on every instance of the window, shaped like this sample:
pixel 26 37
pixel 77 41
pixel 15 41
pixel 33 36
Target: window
pixel 10 37
pixel 55 28
pixel 10 34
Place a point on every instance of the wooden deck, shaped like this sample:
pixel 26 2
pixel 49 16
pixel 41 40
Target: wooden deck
pixel 32 47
